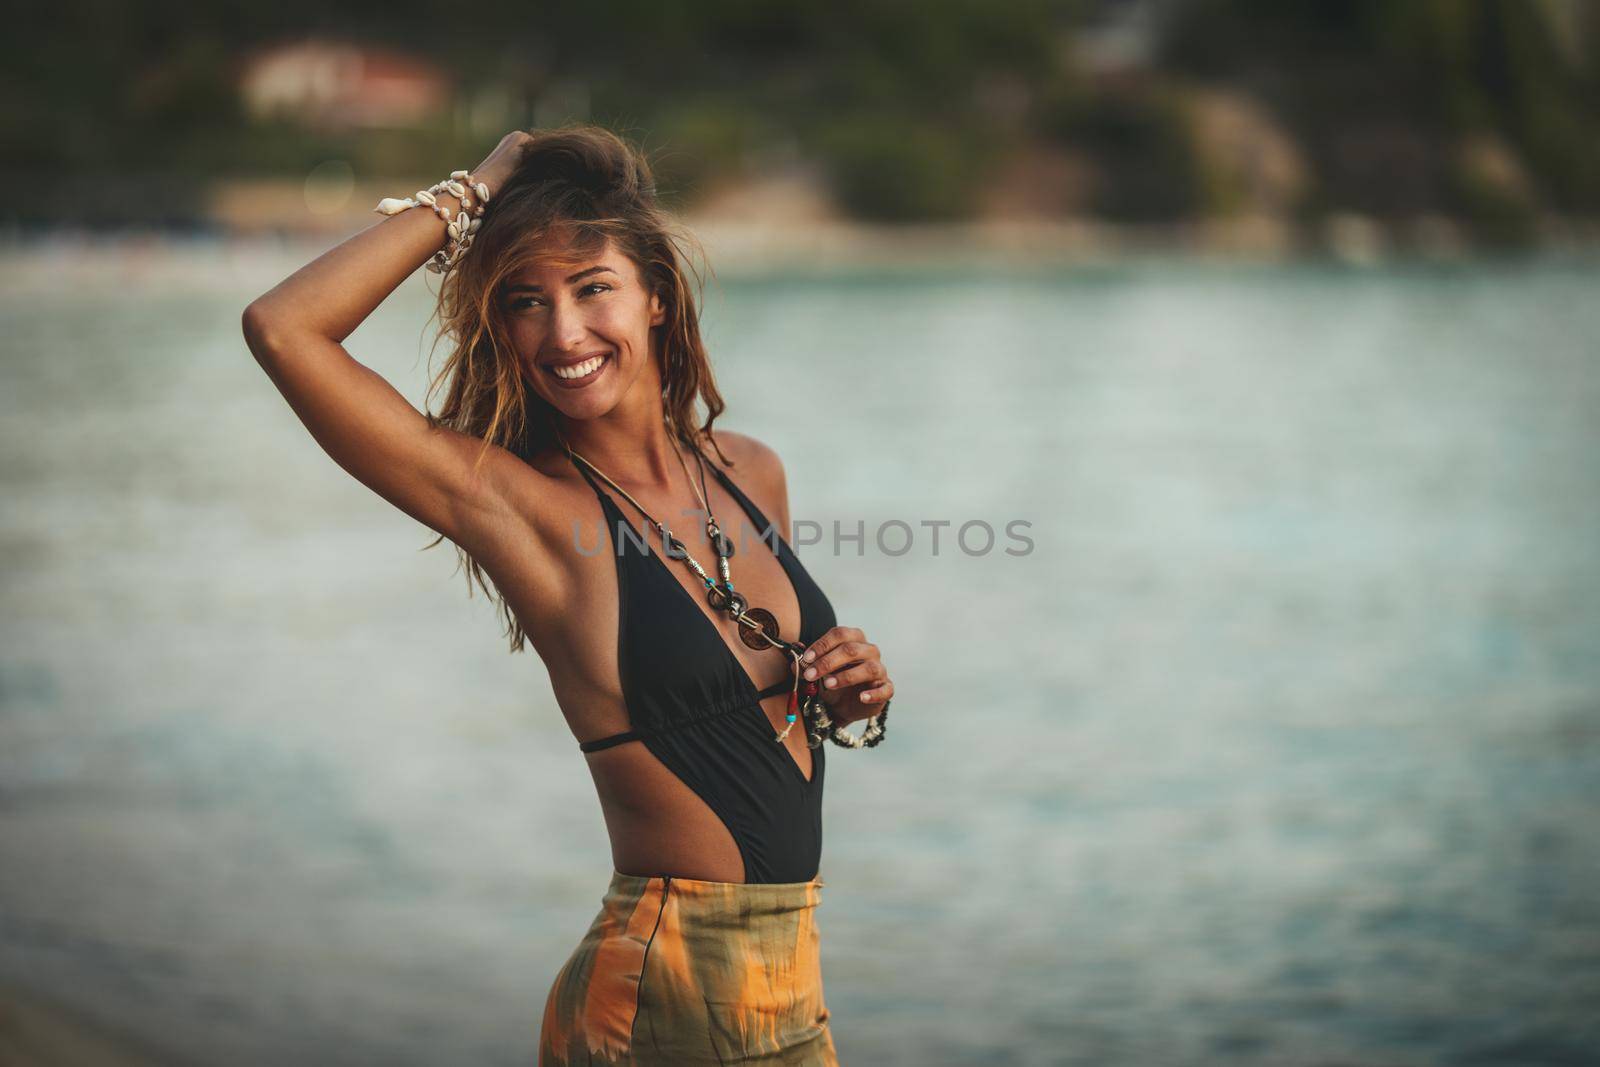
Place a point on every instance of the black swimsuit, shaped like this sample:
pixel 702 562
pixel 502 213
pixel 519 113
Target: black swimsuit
pixel 693 705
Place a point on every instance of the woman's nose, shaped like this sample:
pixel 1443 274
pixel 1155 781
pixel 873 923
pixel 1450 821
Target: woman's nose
pixel 567 329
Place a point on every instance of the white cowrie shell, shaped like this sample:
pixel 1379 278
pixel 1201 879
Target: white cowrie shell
pixel 472 227
pixel 482 190
pixel 456 188
pixel 426 197
pixel 454 233
pixel 392 206
pixel 458 174
pixel 462 220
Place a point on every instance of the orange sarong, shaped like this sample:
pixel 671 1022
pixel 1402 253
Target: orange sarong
pixel 681 971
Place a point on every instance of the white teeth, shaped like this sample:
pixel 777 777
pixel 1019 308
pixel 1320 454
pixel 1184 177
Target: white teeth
pixel 580 370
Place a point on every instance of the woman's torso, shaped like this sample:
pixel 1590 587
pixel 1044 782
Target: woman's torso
pixel 717 799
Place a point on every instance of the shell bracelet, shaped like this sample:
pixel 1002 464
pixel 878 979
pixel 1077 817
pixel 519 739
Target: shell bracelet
pixel 823 727
pixel 460 228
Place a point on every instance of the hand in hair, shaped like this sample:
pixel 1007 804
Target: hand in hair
pixel 500 164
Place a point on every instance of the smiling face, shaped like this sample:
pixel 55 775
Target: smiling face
pixel 581 326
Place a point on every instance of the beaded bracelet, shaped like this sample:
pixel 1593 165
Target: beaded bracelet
pixel 877 726
pixel 460 228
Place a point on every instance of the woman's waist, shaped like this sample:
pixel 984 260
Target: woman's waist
pixel 711 905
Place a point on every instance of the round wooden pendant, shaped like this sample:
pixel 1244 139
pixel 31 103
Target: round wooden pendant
pixel 722 546
pixel 751 635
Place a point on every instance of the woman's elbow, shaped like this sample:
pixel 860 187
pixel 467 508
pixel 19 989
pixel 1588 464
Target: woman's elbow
pixel 260 329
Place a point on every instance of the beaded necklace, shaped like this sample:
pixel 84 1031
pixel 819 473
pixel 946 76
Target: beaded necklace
pixel 758 627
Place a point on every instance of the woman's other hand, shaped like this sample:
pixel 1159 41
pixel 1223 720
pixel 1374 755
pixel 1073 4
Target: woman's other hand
pixel 500 164
pixel 855 684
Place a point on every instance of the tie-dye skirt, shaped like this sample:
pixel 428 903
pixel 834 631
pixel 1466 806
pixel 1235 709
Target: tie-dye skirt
pixel 680 971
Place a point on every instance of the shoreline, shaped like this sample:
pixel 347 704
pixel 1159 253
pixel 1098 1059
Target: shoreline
pixel 42 262
pixel 788 224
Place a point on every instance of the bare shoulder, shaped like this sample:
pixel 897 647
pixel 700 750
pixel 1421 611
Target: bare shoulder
pixel 748 453
pixel 752 460
pixel 758 470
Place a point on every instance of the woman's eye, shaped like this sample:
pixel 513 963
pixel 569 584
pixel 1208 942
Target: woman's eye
pixel 519 302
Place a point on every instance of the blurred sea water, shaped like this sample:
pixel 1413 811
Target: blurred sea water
pixel 1280 746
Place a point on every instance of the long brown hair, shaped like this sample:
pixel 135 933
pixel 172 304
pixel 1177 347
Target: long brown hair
pixel 575 188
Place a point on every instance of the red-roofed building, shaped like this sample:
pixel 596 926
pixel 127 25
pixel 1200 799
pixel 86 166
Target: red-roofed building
pixel 339 85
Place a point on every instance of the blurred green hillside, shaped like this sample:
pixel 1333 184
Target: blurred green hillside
pixel 1480 114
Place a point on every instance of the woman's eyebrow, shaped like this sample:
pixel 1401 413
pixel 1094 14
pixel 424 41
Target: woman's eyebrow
pixel 576 277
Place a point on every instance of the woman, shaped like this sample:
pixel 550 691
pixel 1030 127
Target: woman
pixel 570 427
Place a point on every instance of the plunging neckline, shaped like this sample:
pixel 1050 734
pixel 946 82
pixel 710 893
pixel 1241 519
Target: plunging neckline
pixel 753 513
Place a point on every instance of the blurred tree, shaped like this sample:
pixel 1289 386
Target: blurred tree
pixel 1142 137
pixel 1390 98
pixel 905 106
pixel 897 168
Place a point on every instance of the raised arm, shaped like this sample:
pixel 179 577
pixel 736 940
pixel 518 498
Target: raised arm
pixel 295 331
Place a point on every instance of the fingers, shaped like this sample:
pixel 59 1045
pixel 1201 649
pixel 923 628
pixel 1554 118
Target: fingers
pixel 501 162
pixel 839 657
pixel 868 697
pixel 834 637
pixel 860 674
pixel 843 658
pixel 878 694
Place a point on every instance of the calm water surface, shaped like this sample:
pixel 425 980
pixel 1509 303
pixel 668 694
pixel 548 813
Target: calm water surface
pixel 1281 746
